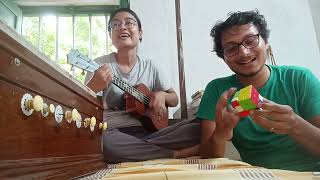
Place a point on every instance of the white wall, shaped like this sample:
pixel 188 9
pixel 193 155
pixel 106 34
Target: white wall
pixel 292 37
pixel 315 11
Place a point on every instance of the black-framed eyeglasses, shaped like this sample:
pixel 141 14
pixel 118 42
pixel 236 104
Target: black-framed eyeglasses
pixel 128 23
pixel 249 42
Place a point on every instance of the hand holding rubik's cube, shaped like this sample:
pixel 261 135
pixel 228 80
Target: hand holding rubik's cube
pixel 246 99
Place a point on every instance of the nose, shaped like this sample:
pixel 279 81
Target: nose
pixel 122 26
pixel 243 50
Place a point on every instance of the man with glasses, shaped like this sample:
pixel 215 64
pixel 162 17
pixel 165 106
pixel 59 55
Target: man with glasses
pixel 284 133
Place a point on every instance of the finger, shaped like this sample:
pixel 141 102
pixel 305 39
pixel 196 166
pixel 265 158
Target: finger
pixel 230 119
pixel 231 109
pixel 223 100
pixel 274 126
pixel 151 103
pixel 234 119
pixel 266 100
pixel 271 115
pixel 163 109
pixel 108 80
pixel 159 112
pixel 107 76
pixel 104 66
pixel 274 107
pixel 278 131
pixel 107 72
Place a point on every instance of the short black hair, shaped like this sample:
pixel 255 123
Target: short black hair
pixel 237 19
pixel 114 13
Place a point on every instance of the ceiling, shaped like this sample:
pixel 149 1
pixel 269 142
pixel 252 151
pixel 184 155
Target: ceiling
pixel 66 2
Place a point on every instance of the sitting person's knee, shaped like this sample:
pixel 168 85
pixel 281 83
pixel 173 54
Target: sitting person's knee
pixel 109 147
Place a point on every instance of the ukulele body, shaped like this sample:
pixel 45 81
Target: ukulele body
pixel 149 119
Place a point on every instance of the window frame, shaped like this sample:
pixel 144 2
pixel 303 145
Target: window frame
pixel 64 11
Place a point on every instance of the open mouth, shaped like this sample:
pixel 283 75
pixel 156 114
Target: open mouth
pixel 248 61
pixel 124 35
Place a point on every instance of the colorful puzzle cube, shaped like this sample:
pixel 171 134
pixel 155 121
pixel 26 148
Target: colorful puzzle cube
pixel 245 100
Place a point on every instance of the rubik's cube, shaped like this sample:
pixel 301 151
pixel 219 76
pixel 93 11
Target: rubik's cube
pixel 246 99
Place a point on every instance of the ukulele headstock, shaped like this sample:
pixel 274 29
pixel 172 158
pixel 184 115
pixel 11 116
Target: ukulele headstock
pixel 75 58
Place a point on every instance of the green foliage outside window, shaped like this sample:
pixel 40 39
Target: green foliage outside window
pixel 44 37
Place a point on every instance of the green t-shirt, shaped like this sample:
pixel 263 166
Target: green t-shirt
pixel 293 86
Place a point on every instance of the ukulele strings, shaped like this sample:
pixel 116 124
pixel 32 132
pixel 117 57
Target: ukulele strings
pixel 145 99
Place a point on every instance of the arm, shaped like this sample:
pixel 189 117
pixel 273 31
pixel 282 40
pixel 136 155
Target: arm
pixel 214 134
pixel 281 119
pixel 164 98
pixel 308 134
pixel 171 98
pixel 161 99
pixel 164 95
pixel 100 79
pixel 210 147
pixel 304 127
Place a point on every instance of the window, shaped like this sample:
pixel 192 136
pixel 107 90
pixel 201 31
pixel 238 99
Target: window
pixel 56 35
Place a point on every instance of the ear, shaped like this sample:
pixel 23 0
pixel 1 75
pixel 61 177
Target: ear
pixel 140 34
pixel 270 55
pixel 267 47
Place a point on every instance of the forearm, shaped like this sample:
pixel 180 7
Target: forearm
pixel 92 86
pixel 88 82
pixel 307 135
pixel 214 148
pixel 171 99
pixel 219 146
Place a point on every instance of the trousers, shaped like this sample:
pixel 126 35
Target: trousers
pixel 125 145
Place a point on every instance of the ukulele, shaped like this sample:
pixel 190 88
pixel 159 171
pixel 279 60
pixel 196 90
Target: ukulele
pixel 138 96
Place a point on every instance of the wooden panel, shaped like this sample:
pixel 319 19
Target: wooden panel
pixel 51 168
pixel 18 47
pixel 37 147
pixel 24 76
pixel 35 136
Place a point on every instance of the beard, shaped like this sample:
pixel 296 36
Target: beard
pixel 250 74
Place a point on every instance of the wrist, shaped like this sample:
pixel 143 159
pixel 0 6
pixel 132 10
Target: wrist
pixel 163 96
pixel 92 87
pixel 218 139
pixel 297 127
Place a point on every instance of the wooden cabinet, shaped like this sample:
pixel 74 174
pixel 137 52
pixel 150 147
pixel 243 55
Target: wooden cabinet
pixel 36 146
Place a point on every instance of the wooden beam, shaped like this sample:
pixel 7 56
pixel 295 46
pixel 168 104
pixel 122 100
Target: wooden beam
pixel 60 10
pixel 66 2
pixel 182 84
